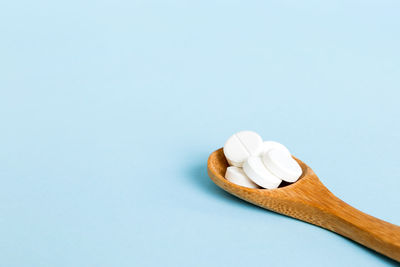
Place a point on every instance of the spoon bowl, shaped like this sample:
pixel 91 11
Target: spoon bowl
pixel 309 200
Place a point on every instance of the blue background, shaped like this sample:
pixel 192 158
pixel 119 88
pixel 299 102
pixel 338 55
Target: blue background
pixel 109 110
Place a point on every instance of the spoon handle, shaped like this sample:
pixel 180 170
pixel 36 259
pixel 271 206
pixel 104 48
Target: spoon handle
pixel 376 234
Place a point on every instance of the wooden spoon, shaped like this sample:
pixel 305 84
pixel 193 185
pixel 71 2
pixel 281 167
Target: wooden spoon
pixel 310 201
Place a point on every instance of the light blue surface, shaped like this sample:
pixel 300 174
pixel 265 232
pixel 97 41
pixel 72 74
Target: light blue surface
pixel 109 110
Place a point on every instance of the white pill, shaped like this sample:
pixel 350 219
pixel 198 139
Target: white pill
pixel 242 145
pixel 282 165
pixel 237 176
pixel 268 145
pixel 258 173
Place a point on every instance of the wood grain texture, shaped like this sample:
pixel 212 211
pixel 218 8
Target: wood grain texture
pixel 309 200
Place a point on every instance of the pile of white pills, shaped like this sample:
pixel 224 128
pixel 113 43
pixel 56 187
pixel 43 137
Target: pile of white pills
pixel 258 164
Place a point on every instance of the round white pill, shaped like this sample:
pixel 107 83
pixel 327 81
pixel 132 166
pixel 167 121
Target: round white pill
pixel 258 173
pixel 237 176
pixel 282 165
pixel 242 145
pixel 268 145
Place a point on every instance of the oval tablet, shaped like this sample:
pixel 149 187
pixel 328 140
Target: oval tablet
pixel 242 145
pixel 237 176
pixel 282 165
pixel 255 169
